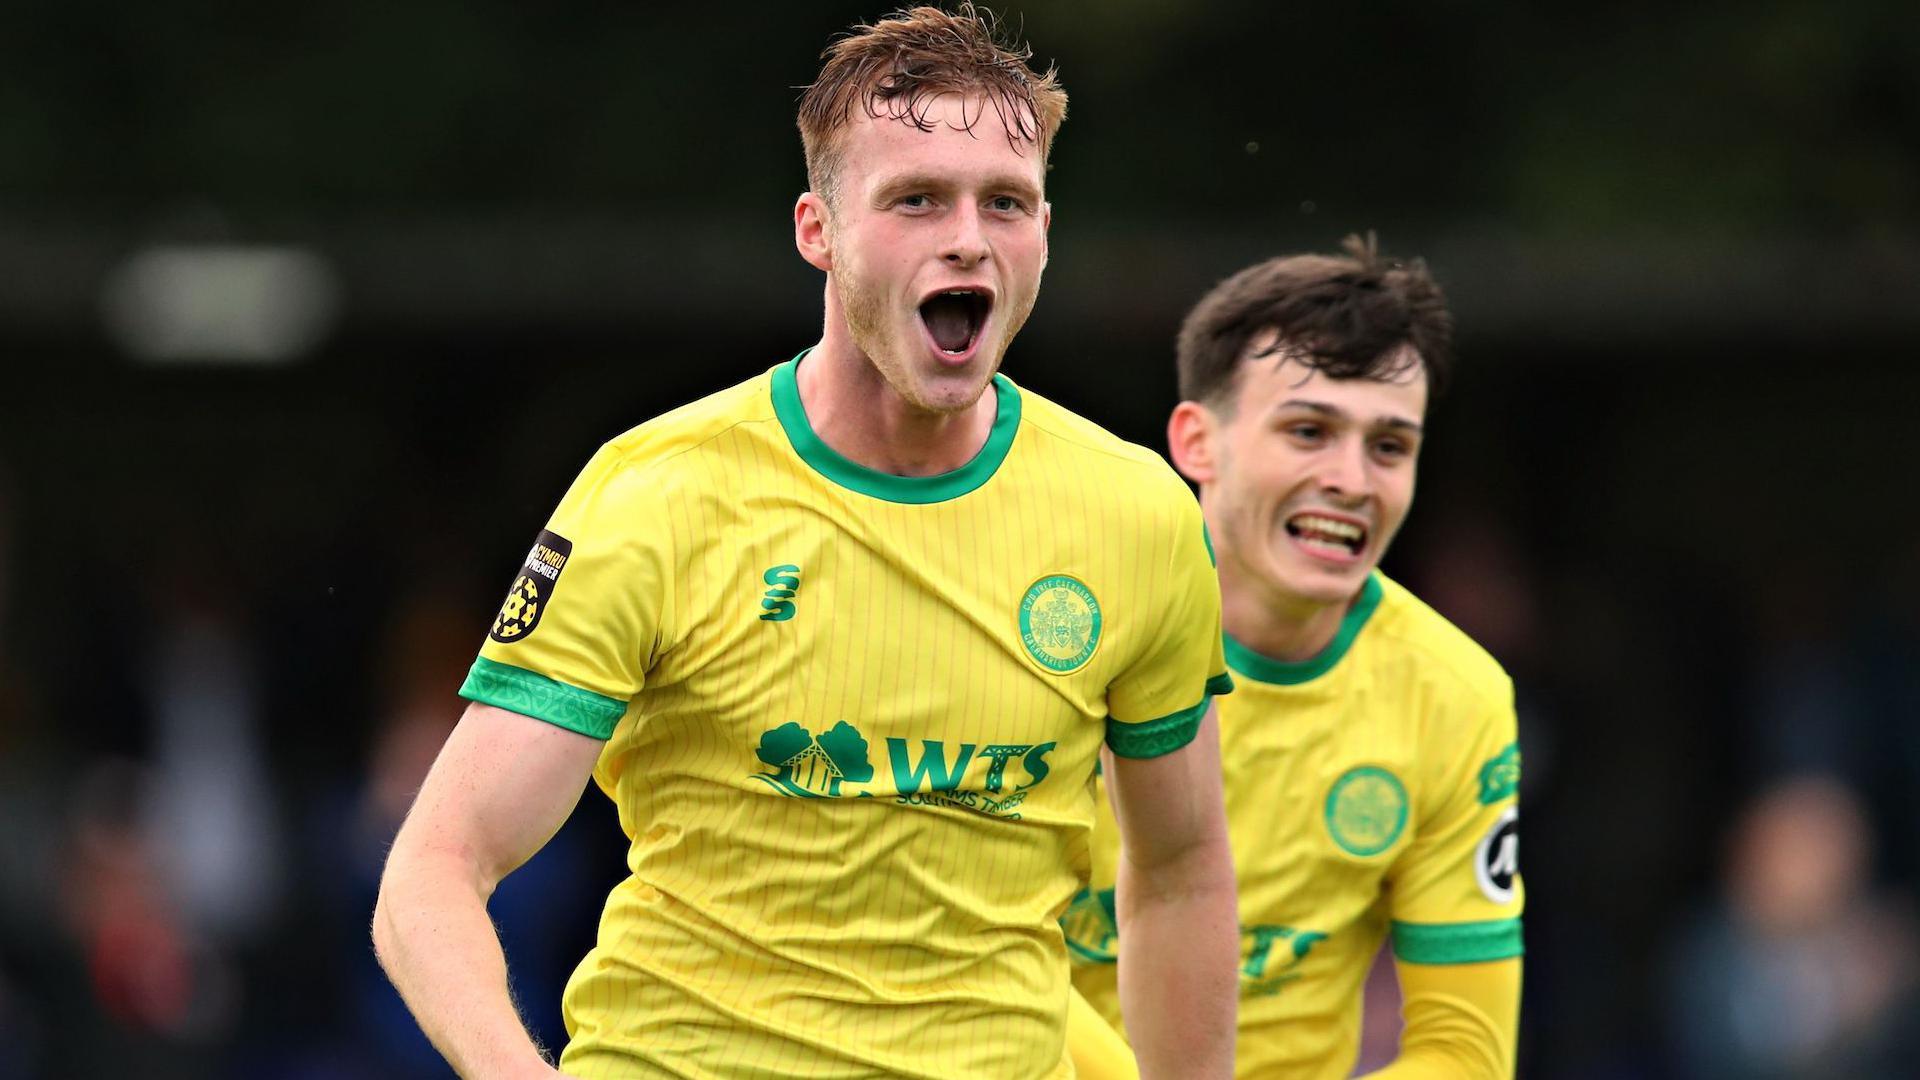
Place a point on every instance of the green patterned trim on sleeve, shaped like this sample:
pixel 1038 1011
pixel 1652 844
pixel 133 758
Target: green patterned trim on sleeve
pixel 1220 685
pixel 1457 943
pixel 1153 738
pixel 532 694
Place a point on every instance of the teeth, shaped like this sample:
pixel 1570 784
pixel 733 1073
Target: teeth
pixel 1343 529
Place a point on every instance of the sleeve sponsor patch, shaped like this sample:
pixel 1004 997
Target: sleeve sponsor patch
pixel 1496 862
pixel 533 589
pixel 1500 776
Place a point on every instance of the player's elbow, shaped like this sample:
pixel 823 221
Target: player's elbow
pixel 1203 866
pixel 399 884
pixel 384 933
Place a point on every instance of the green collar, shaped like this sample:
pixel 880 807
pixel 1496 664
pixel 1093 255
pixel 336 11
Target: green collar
pixel 854 476
pixel 1266 669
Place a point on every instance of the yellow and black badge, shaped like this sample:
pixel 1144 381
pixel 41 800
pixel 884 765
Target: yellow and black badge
pixel 533 589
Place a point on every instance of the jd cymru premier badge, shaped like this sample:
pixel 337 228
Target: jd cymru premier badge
pixel 533 588
pixel 1060 623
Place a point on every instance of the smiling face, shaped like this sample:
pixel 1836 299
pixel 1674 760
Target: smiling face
pixel 1305 479
pixel 934 244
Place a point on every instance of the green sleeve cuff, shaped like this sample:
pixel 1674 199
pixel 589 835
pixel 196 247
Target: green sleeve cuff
pixel 532 694
pixel 1457 943
pixel 1153 738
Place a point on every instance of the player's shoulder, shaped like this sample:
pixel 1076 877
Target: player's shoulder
pixel 1443 653
pixel 659 443
pixel 1092 449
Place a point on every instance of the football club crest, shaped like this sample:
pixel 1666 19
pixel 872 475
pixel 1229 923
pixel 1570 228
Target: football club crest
pixel 1366 810
pixel 1060 623
pixel 533 589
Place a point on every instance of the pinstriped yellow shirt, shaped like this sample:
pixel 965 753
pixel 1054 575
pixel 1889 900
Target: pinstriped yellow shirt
pixel 851 724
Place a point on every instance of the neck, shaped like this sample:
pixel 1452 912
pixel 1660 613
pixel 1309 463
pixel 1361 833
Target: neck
pixel 1276 624
pixel 854 410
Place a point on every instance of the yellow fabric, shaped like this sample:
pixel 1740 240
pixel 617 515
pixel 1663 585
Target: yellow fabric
pixel 858 803
pixel 1099 1053
pixel 1412 716
pixel 1462 1021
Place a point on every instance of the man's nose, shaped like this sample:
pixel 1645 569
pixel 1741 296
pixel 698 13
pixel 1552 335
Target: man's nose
pixel 1344 471
pixel 966 243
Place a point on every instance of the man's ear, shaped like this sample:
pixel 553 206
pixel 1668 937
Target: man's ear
pixel 1193 433
pixel 1046 232
pixel 812 231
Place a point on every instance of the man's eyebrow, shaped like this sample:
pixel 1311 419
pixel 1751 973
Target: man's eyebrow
pixel 1400 423
pixel 910 183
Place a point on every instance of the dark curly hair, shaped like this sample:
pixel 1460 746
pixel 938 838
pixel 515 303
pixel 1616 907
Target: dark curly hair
pixel 1345 315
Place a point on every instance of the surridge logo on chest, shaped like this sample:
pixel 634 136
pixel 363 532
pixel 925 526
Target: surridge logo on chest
pixel 830 764
pixel 778 604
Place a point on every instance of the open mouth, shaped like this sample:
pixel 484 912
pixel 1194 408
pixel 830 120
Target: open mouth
pixel 1327 536
pixel 954 317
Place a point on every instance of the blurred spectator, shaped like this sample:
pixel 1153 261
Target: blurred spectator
pixel 1802 972
pixel 546 912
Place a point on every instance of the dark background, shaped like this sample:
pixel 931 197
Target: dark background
pixel 1672 488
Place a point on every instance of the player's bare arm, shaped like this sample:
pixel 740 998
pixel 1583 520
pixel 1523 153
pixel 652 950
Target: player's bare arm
pixel 1176 908
pixel 501 787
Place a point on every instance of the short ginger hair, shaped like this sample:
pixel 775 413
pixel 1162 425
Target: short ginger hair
pixel 1356 315
pixel 895 68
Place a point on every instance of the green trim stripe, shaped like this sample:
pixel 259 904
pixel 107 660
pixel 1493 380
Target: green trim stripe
pixel 1289 673
pixel 1152 738
pixel 532 694
pixel 1457 943
pixel 916 490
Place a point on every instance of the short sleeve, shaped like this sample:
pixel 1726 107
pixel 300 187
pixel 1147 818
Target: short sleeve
pixel 574 639
pixel 1456 891
pixel 1155 705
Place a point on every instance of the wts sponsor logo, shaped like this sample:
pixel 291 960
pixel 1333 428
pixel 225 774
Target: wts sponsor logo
pixel 824 766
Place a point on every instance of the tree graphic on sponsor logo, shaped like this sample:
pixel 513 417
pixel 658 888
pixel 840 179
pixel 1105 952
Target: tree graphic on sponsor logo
pixel 813 768
pixel 846 748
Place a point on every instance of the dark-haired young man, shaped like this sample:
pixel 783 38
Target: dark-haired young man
pixel 1370 753
pixel 843 644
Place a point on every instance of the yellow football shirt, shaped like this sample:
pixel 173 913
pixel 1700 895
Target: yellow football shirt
pixel 852 721
pixel 1370 790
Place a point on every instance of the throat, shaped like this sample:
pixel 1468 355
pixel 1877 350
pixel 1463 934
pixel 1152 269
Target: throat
pixel 863 419
pixel 1277 626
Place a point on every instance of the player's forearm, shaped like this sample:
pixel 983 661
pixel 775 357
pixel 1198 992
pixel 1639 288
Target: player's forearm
pixel 432 935
pixel 1179 976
